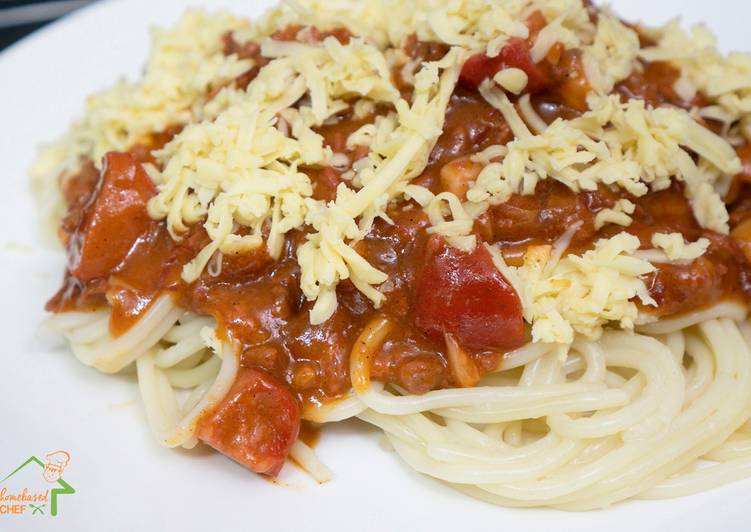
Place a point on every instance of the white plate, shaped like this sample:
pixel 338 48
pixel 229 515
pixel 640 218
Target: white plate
pixel 123 479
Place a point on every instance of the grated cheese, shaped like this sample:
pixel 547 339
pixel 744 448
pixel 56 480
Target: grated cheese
pixel 580 294
pixel 512 79
pixel 618 215
pixel 491 154
pixel 533 120
pixel 569 25
pixel 476 25
pixel 612 56
pixel 677 249
pixel 724 80
pixel 375 134
pixel 628 145
pixel 326 258
pixel 241 170
pixel 458 230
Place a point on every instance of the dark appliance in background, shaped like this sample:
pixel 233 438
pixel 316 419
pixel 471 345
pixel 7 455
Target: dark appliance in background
pixel 18 18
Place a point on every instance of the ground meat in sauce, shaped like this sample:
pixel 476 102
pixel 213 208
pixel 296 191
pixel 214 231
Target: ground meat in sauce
pixel 722 272
pixel 471 125
pixel 654 83
pixel 259 303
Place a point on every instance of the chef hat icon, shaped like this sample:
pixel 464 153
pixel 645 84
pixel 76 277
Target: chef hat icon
pixel 56 463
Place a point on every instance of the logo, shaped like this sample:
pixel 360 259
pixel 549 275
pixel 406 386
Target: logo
pixel 56 463
pixel 34 486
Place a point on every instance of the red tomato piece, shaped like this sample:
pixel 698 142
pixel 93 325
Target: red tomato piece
pixel 464 294
pixel 255 424
pixel 113 219
pixel 516 54
pixel 478 68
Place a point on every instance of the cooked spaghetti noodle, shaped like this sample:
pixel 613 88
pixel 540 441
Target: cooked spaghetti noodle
pixel 515 236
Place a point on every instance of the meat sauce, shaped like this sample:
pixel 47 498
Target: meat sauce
pixel 287 363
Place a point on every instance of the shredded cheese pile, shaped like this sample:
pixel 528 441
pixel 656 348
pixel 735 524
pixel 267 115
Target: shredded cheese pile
pixel 612 55
pixel 239 168
pixel 326 258
pixel 726 81
pixel 471 24
pixel 579 294
pixel 628 145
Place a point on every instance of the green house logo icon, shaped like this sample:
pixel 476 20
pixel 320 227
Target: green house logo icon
pixel 41 497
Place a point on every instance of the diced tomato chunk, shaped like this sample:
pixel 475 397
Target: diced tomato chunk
pixel 478 68
pixel 113 219
pixel 255 424
pixel 516 54
pixel 464 294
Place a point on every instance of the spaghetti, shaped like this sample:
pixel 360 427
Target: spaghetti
pixel 512 235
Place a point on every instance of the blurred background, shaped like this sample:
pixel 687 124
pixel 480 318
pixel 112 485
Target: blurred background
pixel 19 18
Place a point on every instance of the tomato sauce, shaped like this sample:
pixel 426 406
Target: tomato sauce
pixel 287 363
pixel 654 83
